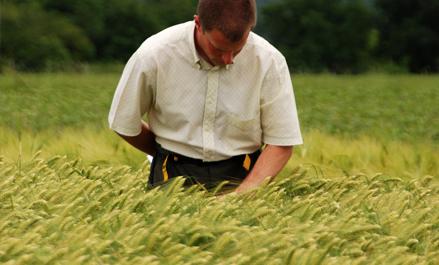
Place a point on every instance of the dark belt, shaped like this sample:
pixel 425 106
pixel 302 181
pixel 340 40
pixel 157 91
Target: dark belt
pixel 200 162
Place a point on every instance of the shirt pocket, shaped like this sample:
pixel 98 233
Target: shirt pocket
pixel 241 134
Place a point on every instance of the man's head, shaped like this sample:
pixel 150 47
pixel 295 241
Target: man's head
pixel 222 28
pixel 231 17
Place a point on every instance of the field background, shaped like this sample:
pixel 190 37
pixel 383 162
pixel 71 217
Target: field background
pixel 363 189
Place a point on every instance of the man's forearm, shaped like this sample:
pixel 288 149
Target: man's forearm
pixel 269 164
pixel 145 141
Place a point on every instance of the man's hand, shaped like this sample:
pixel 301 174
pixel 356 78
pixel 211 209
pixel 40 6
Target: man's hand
pixel 145 141
pixel 271 161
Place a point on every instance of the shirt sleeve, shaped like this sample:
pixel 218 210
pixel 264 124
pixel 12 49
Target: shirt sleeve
pixel 279 119
pixel 133 97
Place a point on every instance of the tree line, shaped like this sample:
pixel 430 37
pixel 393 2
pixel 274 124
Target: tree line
pixel 341 36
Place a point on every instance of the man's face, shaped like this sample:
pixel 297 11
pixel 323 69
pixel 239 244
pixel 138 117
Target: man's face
pixel 216 48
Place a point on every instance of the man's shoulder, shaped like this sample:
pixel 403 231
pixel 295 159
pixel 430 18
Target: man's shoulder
pixel 262 47
pixel 167 37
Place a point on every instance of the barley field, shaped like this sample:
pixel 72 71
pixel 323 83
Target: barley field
pixel 363 189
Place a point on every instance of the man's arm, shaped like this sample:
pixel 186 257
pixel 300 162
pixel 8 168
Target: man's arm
pixel 145 141
pixel 271 161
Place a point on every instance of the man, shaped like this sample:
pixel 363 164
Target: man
pixel 214 93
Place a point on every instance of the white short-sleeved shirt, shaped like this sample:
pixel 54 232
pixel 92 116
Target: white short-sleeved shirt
pixel 205 112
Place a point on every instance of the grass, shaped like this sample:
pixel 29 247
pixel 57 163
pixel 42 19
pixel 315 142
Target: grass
pixel 363 189
pixel 56 211
pixel 323 154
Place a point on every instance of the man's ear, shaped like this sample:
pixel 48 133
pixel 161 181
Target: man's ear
pixel 197 22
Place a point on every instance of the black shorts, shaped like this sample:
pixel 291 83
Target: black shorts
pixel 167 165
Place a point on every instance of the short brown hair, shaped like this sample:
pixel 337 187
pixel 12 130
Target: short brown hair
pixel 232 17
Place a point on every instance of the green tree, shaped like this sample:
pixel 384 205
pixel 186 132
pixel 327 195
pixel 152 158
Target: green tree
pixel 37 34
pixel 127 24
pixel 89 15
pixel 171 12
pixel 117 28
pixel 33 39
pixel 317 35
pixel 409 33
pixel 131 22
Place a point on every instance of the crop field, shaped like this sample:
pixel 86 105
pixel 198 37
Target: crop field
pixel 363 189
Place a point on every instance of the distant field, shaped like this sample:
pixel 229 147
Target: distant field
pixel 382 106
pixel 387 107
pixel 41 102
pixel 363 189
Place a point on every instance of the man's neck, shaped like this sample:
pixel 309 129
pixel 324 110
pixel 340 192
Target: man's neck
pixel 200 51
